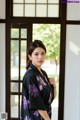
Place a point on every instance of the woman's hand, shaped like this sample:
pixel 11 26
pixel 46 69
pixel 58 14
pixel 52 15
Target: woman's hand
pixel 44 114
pixel 52 81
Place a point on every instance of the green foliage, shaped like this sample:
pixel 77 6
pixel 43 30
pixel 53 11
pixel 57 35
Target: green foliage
pixel 50 35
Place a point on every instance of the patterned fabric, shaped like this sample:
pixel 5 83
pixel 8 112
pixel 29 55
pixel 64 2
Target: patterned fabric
pixel 37 94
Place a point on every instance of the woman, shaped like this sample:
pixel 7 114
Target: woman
pixel 38 91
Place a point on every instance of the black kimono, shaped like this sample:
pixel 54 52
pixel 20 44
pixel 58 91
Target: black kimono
pixel 37 94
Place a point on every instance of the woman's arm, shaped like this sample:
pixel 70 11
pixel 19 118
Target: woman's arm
pixel 44 114
pixel 52 82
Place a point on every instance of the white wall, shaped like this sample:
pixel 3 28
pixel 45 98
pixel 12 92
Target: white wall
pixel 72 69
pixel 2 9
pixel 72 76
pixel 2 57
pixel 73 11
pixel 2 67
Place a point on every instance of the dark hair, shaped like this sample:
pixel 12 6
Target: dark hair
pixel 33 46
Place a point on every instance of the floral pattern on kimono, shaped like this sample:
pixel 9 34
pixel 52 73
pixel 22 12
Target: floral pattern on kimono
pixel 37 94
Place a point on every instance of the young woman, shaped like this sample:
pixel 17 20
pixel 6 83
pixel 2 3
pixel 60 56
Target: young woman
pixel 38 90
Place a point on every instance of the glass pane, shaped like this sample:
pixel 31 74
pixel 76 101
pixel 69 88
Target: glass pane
pixel 23 33
pixel 14 106
pixel 14 87
pixel 41 1
pixel 72 9
pixel 53 1
pixel 14 33
pixel 29 10
pixel 55 9
pixel 17 10
pixel 50 35
pixel 18 1
pixel 29 1
pixel 20 87
pixel 2 9
pixel 20 104
pixel 14 59
pixel 72 74
pixel 41 10
pixel 23 58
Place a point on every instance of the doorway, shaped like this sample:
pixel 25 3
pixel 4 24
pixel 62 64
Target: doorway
pixel 21 35
pixel 49 34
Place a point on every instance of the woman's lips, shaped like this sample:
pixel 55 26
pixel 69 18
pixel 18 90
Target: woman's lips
pixel 40 61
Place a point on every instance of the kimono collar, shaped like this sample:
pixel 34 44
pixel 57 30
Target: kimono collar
pixel 35 68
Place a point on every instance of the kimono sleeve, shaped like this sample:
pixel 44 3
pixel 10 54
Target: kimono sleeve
pixel 35 99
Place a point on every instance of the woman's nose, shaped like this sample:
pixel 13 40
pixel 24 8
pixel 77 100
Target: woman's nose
pixel 40 56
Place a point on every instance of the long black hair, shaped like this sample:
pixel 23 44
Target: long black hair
pixel 33 46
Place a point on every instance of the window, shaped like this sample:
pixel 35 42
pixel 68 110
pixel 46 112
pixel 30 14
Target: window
pixel 35 8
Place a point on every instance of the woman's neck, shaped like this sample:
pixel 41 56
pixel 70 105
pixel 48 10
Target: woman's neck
pixel 38 67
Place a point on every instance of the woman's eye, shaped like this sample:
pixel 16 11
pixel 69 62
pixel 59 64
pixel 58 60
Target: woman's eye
pixel 40 53
pixel 43 53
pixel 36 54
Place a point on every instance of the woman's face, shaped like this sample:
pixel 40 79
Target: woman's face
pixel 38 57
